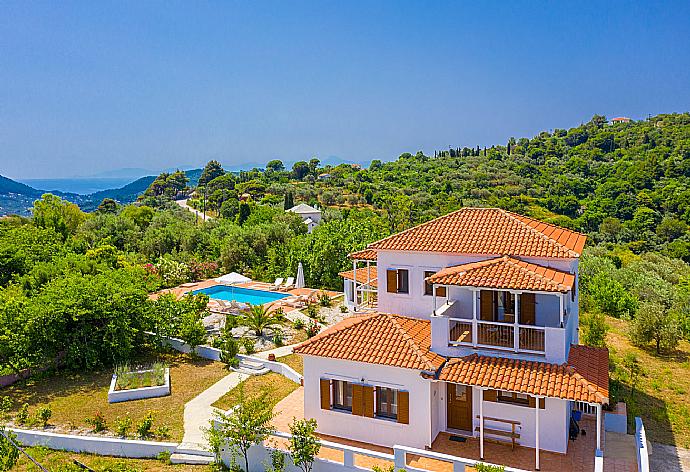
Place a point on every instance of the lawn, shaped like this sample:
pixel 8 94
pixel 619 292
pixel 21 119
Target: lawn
pixel 63 461
pixel 661 397
pixel 277 386
pixel 75 396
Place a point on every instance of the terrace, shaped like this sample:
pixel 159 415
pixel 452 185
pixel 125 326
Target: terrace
pixel 446 453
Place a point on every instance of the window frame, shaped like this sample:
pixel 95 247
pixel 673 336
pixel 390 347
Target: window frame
pixel 512 398
pixel 428 287
pixel 342 407
pixel 391 405
pixel 406 280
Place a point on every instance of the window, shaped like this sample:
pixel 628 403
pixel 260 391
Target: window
pixel 397 281
pixel 511 397
pixel 342 395
pixel 403 281
pixel 428 288
pixel 506 303
pixel 386 403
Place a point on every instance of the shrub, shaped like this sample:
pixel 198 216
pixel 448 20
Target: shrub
pixel 5 407
pixel 489 468
pixel 23 414
pixel 298 324
pixel 122 426
pixel 43 415
pixel 277 461
pixel 343 309
pixel 655 324
pixel 164 457
pixel 278 338
pixel 162 432
pixel 145 425
pixel 248 345
pixel 324 300
pixel 312 310
pixel 312 329
pixel 229 348
pixel 594 329
pixel 98 422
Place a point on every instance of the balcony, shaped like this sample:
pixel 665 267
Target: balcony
pixel 496 335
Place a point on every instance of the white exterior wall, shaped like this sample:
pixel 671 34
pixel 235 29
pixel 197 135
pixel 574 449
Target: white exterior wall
pixel 383 432
pixel 416 303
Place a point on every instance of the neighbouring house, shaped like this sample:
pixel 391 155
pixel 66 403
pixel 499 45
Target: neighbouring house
pixel 310 215
pixel 621 119
pixel 466 324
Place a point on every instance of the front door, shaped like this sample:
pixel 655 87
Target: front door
pixel 459 407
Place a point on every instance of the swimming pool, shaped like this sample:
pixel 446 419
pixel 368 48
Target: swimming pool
pixel 241 295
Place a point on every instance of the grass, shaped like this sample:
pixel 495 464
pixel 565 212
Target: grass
pixel 60 460
pixel 128 377
pixel 76 396
pixel 277 386
pixel 661 396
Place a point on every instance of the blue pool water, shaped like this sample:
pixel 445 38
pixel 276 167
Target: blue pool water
pixel 241 295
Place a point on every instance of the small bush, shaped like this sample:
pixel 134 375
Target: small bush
pixel 5 407
pixel 312 329
pixel 164 457
pixel 22 415
pixel 98 422
pixel 489 468
pixel 278 338
pixel 145 425
pixel 122 426
pixel 324 300
pixel 343 309
pixel 248 345
pixel 312 310
pixel 298 324
pixel 162 432
pixel 43 415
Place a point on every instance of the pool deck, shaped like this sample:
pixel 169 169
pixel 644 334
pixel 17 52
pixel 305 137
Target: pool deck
pixel 183 289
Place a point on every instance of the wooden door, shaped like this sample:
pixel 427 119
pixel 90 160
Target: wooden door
pixel 486 305
pixel 527 309
pixel 459 399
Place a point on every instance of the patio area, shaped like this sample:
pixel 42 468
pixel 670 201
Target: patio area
pixel 580 456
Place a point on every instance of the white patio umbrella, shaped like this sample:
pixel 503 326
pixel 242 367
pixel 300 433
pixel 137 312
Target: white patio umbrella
pixel 300 276
pixel 233 278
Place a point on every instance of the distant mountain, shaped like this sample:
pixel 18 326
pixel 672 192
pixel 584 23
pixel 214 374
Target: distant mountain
pixel 12 186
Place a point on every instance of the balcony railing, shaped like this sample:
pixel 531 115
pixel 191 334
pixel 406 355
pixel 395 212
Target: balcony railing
pixel 496 335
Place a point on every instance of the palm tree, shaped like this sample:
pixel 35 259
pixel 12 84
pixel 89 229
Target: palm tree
pixel 259 318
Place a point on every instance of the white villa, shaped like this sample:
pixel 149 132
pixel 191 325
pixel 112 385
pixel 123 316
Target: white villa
pixel 474 332
pixel 310 215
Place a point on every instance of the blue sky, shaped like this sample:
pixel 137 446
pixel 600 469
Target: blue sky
pixel 90 86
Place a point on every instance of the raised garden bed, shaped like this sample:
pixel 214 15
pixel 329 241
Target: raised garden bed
pixel 135 384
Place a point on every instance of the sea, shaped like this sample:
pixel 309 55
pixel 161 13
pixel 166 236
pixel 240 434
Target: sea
pixel 81 186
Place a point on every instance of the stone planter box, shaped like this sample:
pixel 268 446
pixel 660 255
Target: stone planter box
pixel 116 396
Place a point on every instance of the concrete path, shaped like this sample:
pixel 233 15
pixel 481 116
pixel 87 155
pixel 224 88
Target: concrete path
pixel 281 351
pixel 666 458
pixel 198 412
pixel 183 204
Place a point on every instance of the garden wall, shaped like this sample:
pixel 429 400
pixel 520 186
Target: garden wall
pixel 211 353
pixel 93 444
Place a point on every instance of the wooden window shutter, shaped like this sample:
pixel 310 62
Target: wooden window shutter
pixel 440 291
pixel 533 402
pixel 325 394
pixel 392 281
pixel 527 309
pixel 486 305
pixel 357 400
pixel 368 401
pixel 490 395
pixel 403 407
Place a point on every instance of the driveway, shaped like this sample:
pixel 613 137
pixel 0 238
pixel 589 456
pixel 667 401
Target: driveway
pixel 183 204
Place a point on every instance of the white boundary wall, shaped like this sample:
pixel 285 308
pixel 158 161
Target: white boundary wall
pixel 260 456
pixel 104 446
pixel 116 396
pixel 641 446
pixel 211 353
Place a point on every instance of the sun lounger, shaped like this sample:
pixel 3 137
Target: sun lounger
pixel 289 283
pixel 276 285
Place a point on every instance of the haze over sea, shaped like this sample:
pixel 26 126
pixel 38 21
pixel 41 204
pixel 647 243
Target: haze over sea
pixel 82 186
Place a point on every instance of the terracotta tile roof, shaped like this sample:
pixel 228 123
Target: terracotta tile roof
pixel 505 273
pixel 363 255
pixel 362 275
pixel 487 231
pixel 587 383
pixel 380 338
